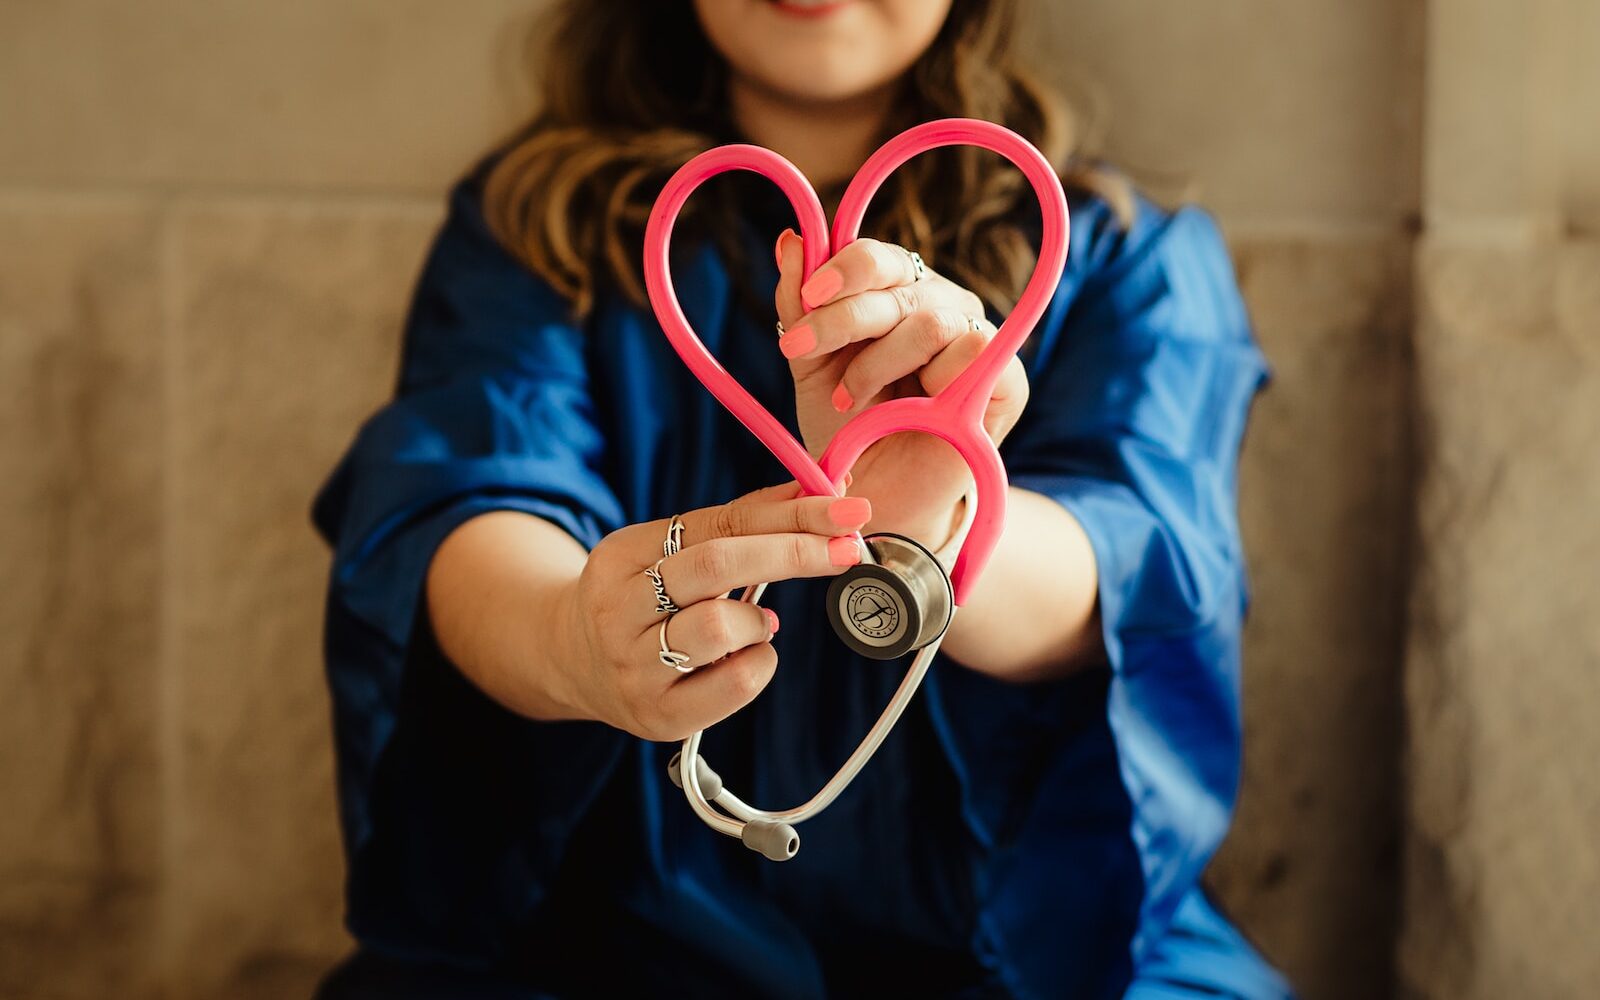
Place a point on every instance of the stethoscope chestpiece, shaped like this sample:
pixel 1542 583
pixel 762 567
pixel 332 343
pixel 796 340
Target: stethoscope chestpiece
pixel 899 602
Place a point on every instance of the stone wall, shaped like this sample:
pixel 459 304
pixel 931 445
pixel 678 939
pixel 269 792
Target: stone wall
pixel 210 215
pixel 1502 847
pixel 1297 124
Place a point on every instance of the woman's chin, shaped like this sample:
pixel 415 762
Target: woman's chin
pixel 821 77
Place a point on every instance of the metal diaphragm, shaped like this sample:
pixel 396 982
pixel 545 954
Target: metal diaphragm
pixel 898 603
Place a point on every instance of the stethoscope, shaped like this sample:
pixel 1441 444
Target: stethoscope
pixel 900 598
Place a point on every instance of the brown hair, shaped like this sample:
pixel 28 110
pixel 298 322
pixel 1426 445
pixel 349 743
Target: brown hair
pixel 634 90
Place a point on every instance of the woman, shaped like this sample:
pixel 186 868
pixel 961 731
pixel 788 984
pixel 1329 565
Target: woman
pixel 1037 823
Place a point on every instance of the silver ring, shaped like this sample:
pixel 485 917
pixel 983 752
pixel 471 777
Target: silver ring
pixel 781 330
pixel 917 266
pixel 664 605
pixel 671 657
pixel 973 325
pixel 674 543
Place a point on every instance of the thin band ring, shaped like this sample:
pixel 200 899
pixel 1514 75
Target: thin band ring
pixel 674 541
pixel 671 657
pixel 917 266
pixel 664 604
pixel 781 330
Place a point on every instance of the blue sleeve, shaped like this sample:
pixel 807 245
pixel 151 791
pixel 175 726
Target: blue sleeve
pixel 492 412
pixel 1141 379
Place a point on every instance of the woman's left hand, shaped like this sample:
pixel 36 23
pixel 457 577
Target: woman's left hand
pixel 864 329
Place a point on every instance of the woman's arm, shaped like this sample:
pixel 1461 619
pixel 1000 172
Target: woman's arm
pixel 557 633
pixel 495 582
pixel 1032 614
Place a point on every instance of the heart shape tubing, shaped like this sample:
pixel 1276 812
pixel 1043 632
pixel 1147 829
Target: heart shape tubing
pixel 956 413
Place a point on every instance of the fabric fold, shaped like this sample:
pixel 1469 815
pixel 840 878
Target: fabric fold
pixel 1136 412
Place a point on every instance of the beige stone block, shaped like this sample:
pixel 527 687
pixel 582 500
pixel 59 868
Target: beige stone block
pixel 287 337
pixel 1272 112
pixel 1495 103
pixel 81 409
pixel 1503 674
pixel 1580 126
pixel 360 94
pixel 1310 867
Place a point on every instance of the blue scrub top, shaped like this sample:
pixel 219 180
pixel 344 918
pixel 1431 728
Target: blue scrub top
pixel 1037 840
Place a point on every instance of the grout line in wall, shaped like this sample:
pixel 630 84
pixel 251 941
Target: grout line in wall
pixel 1518 230
pixel 169 949
pixel 1247 227
pixel 23 192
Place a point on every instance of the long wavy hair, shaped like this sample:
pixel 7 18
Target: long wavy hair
pixel 634 90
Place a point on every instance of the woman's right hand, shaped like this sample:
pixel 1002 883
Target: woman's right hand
pixel 613 671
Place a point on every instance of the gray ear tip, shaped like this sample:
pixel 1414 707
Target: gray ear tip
pixel 710 781
pixel 776 841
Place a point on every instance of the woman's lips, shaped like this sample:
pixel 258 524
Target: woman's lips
pixel 809 8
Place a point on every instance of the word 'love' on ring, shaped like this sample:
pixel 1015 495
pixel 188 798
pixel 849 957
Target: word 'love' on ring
pixel 664 604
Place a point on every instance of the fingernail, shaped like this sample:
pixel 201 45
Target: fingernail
pixel 772 621
pixel 777 251
pixel 841 398
pixel 850 512
pixel 848 479
pixel 843 551
pixel 824 285
pixel 797 341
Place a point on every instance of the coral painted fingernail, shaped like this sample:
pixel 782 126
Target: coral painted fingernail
pixel 843 551
pixel 823 286
pixel 850 512
pixel 841 398
pixel 772 621
pixel 797 341
pixel 777 251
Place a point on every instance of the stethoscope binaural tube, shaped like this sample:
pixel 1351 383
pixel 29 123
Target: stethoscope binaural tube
pixel 772 833
pixel 955 415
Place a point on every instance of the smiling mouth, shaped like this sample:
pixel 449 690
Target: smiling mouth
pixel 809 8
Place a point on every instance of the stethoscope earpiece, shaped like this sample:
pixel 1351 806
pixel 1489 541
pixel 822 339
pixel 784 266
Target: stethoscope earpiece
pixel 774 839
pixel 899 602
pixel 777 841
pixel 710 781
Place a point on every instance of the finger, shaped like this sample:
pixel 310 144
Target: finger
pixel 710 630
pixel 1006 400
pixel 704 698
pixel 871 314
pixel 769 510
pixel 953 359
pixel 785 491
pixel 790 253
pixel 644 538
pixel 720 565
pixel 864 264
pixel 822 515
pixel 782 491
pixel 915 342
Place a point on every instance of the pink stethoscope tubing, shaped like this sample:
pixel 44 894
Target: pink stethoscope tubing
pixel 955 414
